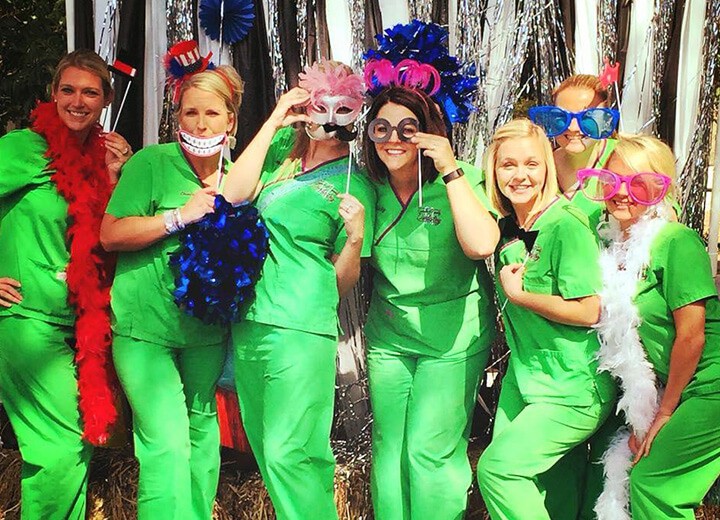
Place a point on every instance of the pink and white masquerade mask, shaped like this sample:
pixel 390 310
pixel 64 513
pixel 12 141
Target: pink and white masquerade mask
pixel 336 95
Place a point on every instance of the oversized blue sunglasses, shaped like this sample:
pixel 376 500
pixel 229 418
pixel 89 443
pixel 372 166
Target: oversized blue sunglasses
pixel 595 122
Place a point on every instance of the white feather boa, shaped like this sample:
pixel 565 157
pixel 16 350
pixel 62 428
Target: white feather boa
pixel 623 261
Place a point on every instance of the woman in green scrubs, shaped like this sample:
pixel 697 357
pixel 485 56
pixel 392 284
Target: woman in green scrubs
pixel 55 180
pixel 318 207
pixel 580 124
pixel 169 362
pixel 552 398
pixel 431 318
pixel 660 330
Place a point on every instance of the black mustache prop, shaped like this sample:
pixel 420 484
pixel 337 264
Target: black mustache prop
pixel 341 132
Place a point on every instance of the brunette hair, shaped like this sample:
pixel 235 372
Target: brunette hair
pixel 587 81
pixel 429 118
pixel 88 60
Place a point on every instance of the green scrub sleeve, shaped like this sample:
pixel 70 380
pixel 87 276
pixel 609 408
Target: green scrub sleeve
pixel 686 276
pixel 574 257
pixel 133 193
pixel 361 189
pixel 21 161
pixel 280 147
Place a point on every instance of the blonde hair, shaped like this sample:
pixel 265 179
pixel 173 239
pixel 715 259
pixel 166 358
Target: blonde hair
pixel 224 82
pixel 520 129
pixel 584 81
pixel 645 153
pixel 88 60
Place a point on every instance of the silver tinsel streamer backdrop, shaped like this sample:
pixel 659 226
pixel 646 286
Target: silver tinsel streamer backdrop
pixel 693 179
pixel 551 62
pixel 607 30
pixel 662 21
pixel 180 22
pixel 357 24
pixel 422 9
pixel 275 53
pixel 469 50
pixel 513 64
pixel 302 31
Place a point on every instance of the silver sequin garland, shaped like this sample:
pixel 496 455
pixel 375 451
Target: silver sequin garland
pixel 180 22
pixel 692 181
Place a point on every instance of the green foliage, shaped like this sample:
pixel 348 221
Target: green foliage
pixel 32 41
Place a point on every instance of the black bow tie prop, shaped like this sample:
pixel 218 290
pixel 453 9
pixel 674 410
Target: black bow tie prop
pixel 510 230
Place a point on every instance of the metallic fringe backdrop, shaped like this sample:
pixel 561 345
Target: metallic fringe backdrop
pixel 662 23
pixel 302 31
pixel 693 179
pixel 551 62
pixel 607 30
pixel 357 24
pixel 469 49
pixel 180 26
pixel 422 9
pixel 275 52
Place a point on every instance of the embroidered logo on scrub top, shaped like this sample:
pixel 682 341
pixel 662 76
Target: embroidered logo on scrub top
pixel 429 215
pixel 534 254
pixel 327 190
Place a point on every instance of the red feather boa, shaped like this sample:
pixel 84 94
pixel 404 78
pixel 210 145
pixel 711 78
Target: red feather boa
pixel 82 179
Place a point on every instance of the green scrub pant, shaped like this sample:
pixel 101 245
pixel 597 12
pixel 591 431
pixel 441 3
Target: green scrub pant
pixel 285 381
pixel 683 463
pixel 38 388
pixel 177 438
pixel 528 440
pixel 422 409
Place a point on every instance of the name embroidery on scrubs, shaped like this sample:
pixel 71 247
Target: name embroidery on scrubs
pixel 429 215
pixel 327 190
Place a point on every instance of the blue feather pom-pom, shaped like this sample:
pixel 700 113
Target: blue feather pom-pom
pixel 427 43
pixel 237 19
pixel 219 261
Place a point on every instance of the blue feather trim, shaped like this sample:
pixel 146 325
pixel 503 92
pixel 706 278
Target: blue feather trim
pixel 219 261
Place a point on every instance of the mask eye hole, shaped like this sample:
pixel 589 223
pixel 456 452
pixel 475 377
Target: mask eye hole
pixel 343 110
pixel 320 109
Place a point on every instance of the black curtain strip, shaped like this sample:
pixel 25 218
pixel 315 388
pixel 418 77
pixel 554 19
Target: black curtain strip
pixel 623 38
pixel 131 50
pixel 289 45
pixel 251 58
pixel 84 33
pixel 668 90
pixel 439 12
pixel 373 23
pixel 567 11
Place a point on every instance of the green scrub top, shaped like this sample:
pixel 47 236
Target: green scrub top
pixel 550 361
pixel 298 286
pixel 156 179
pixel 679 274
pixel 428 297
pixel 593 209
pixel 33 229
